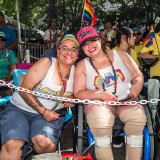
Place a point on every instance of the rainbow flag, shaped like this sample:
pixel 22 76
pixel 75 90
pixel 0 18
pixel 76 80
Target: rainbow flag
pixel 148 41
pixel 88 14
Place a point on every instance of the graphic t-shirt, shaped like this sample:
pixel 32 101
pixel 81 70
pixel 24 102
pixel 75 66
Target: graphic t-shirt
pixel 123 77
pixel 47 87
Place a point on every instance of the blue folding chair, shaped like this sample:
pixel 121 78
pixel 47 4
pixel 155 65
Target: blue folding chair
pixel 16 73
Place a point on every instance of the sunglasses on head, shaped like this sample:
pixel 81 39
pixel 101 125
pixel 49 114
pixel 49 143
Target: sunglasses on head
pixel 2 39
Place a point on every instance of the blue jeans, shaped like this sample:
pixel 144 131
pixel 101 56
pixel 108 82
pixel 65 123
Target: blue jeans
pixel 16 123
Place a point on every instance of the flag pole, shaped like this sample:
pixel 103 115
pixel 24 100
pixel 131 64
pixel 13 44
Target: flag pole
pixel 83 13
pixel 157 44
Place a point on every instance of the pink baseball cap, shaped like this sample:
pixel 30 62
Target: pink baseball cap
pixel 86 34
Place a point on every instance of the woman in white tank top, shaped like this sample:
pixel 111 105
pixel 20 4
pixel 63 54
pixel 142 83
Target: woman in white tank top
pixel 30 118
pixel 110 76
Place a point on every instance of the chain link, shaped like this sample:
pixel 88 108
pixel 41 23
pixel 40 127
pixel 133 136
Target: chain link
pixel 85 101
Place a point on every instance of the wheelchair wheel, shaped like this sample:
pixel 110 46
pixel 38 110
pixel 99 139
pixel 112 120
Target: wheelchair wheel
pixel 80 129
pixel 151 130
pixel 80 135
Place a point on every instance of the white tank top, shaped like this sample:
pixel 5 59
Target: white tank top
pixel 46 86
pixel 123 76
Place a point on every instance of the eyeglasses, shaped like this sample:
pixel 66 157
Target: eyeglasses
pixel 136 34
pixel 2 39
pixel 66 49
pixel 90 42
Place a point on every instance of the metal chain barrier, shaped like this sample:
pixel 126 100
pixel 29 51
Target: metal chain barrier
pixel 85 101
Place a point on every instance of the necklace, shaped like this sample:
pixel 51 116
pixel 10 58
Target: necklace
pixel 103 82
pixel 63 81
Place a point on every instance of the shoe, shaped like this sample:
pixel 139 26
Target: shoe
pixel 117 142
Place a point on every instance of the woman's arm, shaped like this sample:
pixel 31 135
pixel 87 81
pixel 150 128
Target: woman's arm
pixel 137 76
pixel 80 90
pixel 36 74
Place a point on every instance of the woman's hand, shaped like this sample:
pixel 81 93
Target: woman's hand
pixel 107 96
pixel 50 115
pixel 132 97
pixel 129 98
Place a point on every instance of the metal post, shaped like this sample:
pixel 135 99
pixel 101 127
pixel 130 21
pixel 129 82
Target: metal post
pixel 18 22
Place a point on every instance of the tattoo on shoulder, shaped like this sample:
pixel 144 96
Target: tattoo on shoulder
pixel 133 82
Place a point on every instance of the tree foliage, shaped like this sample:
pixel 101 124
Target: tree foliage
pixel 35 13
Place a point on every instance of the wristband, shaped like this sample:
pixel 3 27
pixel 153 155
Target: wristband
pixel 44 111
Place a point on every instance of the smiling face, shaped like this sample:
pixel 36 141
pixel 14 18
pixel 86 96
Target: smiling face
pixel 67 52
pixel 91 48
pixel 131 39
pixel 138 36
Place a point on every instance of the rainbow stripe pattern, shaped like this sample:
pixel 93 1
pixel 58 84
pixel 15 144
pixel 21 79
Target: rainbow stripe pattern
pixel 89 15
pixel 108 79
pixel 148 41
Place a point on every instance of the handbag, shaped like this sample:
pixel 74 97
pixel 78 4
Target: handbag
pixel 148 62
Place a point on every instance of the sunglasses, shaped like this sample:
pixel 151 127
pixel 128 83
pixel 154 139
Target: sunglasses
pixel 2 39
pixel 136 34
pixel 108 41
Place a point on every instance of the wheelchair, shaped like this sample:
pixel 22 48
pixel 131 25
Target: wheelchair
pixel 83 134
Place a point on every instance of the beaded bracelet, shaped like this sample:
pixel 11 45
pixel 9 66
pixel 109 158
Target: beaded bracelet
pixel 44 111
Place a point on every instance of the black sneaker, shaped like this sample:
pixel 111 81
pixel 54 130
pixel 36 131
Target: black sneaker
pixel 117 141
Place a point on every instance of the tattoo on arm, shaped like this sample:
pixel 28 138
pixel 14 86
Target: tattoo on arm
pixel 32 101
pixel 133 82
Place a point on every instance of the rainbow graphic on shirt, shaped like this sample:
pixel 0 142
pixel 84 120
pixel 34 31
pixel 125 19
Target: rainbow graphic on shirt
pixel 108 78
pixel 48 91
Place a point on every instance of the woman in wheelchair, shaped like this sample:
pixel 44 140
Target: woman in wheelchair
pixel 30 118
pixel 109 76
